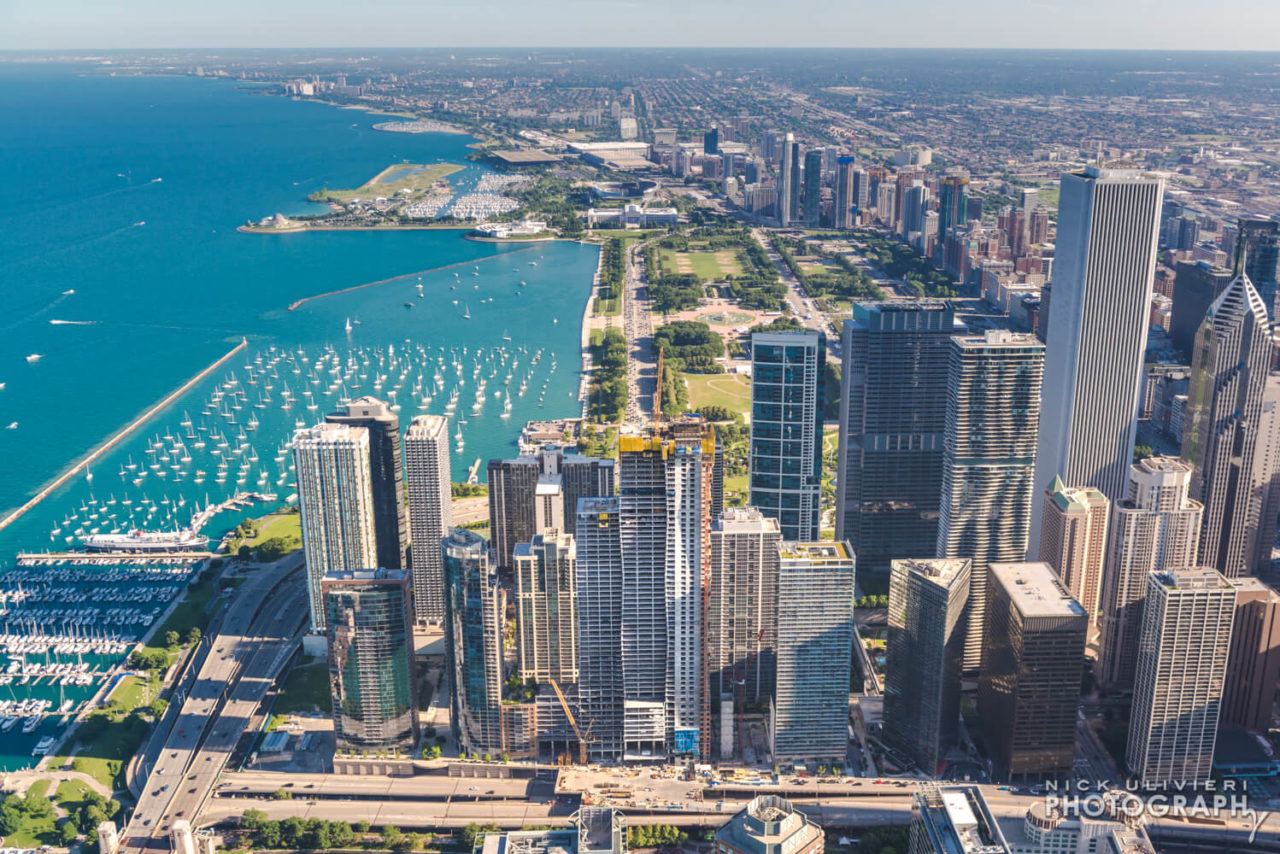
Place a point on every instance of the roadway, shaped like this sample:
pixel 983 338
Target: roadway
pixel 253 643
pixel 642 365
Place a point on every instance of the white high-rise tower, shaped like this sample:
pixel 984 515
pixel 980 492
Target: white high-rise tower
pixel 428 482
pixel 1104 264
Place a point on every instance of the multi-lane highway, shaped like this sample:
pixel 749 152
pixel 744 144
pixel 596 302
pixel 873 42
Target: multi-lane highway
pixel 253 643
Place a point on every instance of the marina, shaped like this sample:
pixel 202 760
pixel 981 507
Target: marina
pixel 270 334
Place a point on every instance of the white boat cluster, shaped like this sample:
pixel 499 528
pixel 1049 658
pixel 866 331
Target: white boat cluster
pixel 58 673
pixel 41 644
pixel 482 206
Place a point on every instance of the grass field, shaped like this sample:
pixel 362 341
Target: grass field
pixel 706 265
pixel 305 689
pixel 732 391
pixel 410 180
pixel 287 525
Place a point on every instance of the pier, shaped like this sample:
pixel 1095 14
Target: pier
pixel 85 461
pixel 107 558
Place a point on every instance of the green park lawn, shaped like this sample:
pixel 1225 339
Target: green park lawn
pixel 732 391
pixel 416 179
pixel 706 265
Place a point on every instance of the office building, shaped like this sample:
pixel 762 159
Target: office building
pixel 813 187
pixel 787 191
pixel 1156 528
pixel 475 609
pixel 523 490
pixel 386 481
pixel 893 405
pixel 711 141
pixel 599 585
pixel 1182 665
pixel 1031 672
pixel 1073 540
pixel 1261 239
pixel 988 466
pixel 742 616
pixel 369 624
pixel 953 206
pixel 810 719
pixel 548 504
pixel 429 487
pixel 1103 267
pixel 665 490
pixel 335 504
pixel 846 203
pixel 546 607
pixel 1222 423
pixel 787 370
pixel 769 824
pixel 924 657
pixel 513 485
pixel 1253 664
pixel 915 201
pixel 954 819
pixel 1196 286
pixel 1047 829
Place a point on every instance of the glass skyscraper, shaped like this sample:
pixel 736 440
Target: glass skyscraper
pixel 371 669
pixel 786 429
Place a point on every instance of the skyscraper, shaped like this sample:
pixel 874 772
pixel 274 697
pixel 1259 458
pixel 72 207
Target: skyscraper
pixel 1196 287
pixel 813 187
pixel 1030 685
pixel 1261 238
pixel 1073 540
pixel 711 141
pixel 546 607
pixel 1156 528
pixel 1229 371
pixel 514 501
pixel 427 481
pixel 796 179
pixel 987 474
pixel 369 625
pixel 473 634
pixel 845 201
pixel 954 819
pixel 742 615
pixel 1253 665
pixel 513 487
pixel 924 656
pixel 953 205
pixel 1103 267
pixel 786 180
pixel 665 490
pixel 1182 664
pixel 390 516
pixel 769 824
pixel 599 583
pixel 787 371
pixel 335 503
pixel 893 404
pixel 815 649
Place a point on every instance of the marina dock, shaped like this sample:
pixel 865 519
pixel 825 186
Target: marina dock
pixel 108 558
pixel 119 437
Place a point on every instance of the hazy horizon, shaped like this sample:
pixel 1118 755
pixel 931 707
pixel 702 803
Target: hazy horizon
pixel 1155 25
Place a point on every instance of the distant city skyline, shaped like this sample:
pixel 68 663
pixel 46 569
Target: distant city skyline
pixel 1041 24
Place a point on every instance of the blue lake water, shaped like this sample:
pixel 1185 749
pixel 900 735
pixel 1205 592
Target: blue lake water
pixel 119 200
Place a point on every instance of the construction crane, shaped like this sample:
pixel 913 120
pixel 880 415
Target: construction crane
pixel 573 723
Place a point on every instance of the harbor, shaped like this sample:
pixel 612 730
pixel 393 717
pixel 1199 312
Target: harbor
pixel 121 540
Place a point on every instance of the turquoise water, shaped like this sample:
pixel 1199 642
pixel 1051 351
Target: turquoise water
pixel 163 285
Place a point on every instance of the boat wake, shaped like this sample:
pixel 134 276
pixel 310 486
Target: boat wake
pixel 73 323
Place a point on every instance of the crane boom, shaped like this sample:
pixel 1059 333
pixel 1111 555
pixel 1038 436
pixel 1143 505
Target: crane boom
pixel 573 723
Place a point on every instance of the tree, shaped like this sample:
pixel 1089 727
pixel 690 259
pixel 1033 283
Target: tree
pixel 392 837
pixel 171 639
pixel 292 830
pixel 268 835
pixel 67 830
pixel 193 635
pixel 474 832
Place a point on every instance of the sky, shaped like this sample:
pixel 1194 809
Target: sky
pixel 1100 24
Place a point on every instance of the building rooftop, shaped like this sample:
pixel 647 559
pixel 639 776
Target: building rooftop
pixel 938 570
pixel 1035 590
pixel 819 552
pixel 548 484
pixel 1196 578
pixel 744 520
